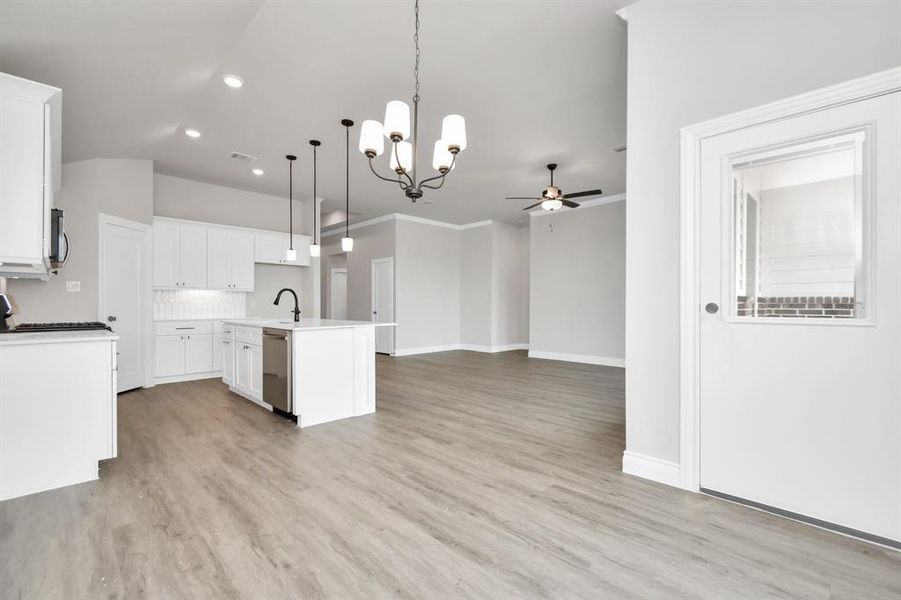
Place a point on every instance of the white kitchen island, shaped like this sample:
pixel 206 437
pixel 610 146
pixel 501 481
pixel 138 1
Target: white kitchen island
pixel 332 365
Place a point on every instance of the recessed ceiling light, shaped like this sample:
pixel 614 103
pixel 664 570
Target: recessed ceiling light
pixel 192 133
pixel 233 81
pixel 257 172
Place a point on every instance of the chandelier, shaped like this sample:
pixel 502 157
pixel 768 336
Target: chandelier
pixel 403 153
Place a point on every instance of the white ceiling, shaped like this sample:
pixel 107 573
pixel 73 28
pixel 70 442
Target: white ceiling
pixel 538 82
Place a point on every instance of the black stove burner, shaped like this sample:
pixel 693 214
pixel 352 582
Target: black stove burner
pixel 32 327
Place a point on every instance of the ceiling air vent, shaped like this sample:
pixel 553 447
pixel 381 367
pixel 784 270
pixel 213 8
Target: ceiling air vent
pixel 242 156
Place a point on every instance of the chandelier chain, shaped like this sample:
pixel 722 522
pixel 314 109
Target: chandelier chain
pixel 416 43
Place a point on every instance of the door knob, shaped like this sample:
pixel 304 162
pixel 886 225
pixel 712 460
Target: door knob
pixel 712 308
pixel 111 318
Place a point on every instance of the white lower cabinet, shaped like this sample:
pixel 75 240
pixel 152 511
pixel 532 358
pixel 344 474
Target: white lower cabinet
pixel 248 352
pixel 198 353
pixel 249 370
pixel 184 349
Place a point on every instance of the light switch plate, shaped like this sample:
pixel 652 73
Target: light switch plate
pixel 73 286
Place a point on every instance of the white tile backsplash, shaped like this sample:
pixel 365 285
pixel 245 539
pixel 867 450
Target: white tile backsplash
pixel 198 304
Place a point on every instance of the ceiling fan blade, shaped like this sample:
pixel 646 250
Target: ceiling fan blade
pixel 521 198
pixel 532 206
pixel 570 204
pixel 583 194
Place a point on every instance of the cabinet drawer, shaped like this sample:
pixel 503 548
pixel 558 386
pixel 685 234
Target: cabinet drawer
pixel 249 335
pixel 183 327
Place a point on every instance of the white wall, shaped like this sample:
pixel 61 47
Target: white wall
pixel 119 187
pixel 509 285
pixel 578 277
pixel 475 286
pixel 688 62
pixel 197 201
pixel 427 286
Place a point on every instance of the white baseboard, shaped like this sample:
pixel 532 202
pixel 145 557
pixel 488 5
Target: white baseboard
pixel 470 347
pixel 426 349
pixel 493 349
pixel 648 467
pixel 588 359
pixel 180 378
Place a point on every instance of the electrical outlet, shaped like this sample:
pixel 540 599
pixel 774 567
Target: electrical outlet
pixel 73 286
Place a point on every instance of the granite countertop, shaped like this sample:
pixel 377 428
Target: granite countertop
pixel 56 337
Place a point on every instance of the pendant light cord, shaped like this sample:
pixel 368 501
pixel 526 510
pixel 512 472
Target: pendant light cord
pixel 290 204
pixel 416 44
pixel 347 181
pixel 315 202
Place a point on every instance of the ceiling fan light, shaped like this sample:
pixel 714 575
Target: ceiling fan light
pixel 552 204
pixel 347 244
pixel 442 159
pixel 402 157
pixel 453 132
pixel 372 143
pixel 315 250
pixel 397 121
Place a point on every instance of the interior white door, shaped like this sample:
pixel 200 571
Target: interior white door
pixel 123 299
pixel 338 294
pixel 799 328
pixel 383 303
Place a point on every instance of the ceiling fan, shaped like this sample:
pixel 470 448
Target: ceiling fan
pixel 553 197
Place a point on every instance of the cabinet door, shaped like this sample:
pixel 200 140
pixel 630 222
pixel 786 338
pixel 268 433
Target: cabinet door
pixel 169 355
pixel 21 180
pixel 217 351
pixel 198 353
pixel 165 254
pixel 270 247
pixel 241 249
pixel 227 351
pixel 242 367
pixel 192 254
pixel 218 259
pixel 256 371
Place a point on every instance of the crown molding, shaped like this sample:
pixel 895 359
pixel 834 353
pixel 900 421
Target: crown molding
pixel 335 230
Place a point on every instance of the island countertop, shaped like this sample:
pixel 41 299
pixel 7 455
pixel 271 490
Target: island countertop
pixel 304 323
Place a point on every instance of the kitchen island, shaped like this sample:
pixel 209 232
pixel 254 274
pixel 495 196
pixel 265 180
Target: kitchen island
pixel 327 366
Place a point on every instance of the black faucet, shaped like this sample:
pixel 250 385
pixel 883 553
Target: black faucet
pixel 296 310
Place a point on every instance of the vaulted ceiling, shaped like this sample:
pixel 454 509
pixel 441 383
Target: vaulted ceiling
pixel 538 82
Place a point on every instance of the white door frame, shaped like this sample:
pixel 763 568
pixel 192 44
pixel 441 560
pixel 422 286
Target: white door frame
pixel 878 84
pixel 331 289
pixel 146 311
pixel 376 261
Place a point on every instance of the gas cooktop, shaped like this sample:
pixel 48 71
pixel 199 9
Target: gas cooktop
pixel 32 327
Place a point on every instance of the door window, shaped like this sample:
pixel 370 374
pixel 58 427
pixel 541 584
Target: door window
pixel 798 230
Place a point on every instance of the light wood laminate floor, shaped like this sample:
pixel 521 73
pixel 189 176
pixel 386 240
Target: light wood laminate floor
pixel 481 476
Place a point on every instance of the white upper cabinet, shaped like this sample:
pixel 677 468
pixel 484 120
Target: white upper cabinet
pixel 230 259
pixel 179 255
pixel 29 172
pixel 270 248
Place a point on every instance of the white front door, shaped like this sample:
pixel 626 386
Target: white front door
pixel 338 294
pixel 383 303
pixel 122 297
pixel 800 255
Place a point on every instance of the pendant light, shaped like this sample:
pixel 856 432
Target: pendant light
pixel 347 242
pixel 315 250
pixel 291 253
pixel 403 154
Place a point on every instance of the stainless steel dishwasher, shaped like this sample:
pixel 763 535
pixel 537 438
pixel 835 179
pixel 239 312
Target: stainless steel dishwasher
pixel 278 384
